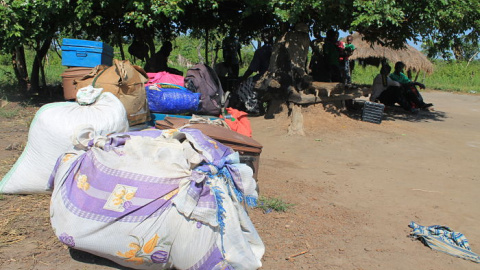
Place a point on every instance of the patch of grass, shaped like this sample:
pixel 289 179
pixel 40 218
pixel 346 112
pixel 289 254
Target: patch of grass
pixel 273 204
pixel 9 113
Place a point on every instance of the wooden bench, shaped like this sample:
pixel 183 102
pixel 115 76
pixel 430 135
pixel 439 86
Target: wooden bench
pixel 330 92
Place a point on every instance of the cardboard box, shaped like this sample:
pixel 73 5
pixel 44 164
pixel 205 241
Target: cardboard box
pixel 85 53
pixel 127 82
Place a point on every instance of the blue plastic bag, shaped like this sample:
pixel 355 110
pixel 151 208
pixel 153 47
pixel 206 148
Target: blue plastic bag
pixel 171 98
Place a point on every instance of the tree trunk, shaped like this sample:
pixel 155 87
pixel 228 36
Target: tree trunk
pixel 151 46
pixel 37 64
pixel 20 69
pixel 207 34
pixel 42 72
pixel 215 55
pixel 119 43
pixel 296 125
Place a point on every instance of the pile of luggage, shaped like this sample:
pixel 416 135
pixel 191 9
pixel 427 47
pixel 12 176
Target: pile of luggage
pixel 167 194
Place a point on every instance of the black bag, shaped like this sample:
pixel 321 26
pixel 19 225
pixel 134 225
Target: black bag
pixel 203 79
pixel 248 97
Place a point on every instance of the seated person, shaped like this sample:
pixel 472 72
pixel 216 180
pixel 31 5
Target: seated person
pixel 411 92
pixel 260 60
pixel 387 91
pixel 159 62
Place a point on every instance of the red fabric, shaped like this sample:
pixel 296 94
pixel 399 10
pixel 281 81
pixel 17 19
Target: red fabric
pixel 241 124
pixel 165 77
pixel 341 48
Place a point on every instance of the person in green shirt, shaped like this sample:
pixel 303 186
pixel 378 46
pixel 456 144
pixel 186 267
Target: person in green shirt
pixel 409 87
pixel 347 65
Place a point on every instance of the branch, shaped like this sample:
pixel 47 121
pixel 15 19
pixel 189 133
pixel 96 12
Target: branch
pixel 471 58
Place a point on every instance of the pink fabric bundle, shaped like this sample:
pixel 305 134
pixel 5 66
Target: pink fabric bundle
pixel 165 77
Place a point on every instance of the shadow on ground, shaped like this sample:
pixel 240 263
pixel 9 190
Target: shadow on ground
pixel 86 257
pixel 394 113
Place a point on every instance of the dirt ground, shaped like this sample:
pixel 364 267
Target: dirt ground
pixel 355 187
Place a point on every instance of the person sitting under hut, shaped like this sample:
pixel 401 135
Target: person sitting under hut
pixel 260 60
pixel 387 91
pixel 409 86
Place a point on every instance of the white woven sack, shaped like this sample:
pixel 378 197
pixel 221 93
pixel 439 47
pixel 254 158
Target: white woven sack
pixel 100 200
pixel 50 136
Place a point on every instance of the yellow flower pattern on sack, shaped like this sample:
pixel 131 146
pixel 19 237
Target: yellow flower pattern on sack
pixel 122 196
pixel 129 196
pixel 168 133
pixel 151 244
pixel 82 181
pixel 169 195
pixel 214 143
pixel 131 253
pixel 67 157
pixel 145 253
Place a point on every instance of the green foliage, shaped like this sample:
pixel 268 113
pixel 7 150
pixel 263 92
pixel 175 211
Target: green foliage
pixel 442 22
pixel 364 75
pixel 187 48
pixel 5 59
pixel 33 23
pixel 268 204
pixel 8 84
pixel 463 49
pixel 455 76
pixel 30 22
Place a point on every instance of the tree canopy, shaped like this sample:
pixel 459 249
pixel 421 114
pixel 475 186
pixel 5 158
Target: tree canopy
pixel 446 24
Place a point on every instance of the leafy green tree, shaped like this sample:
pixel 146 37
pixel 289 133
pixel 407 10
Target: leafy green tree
pixel 462 50
pixel 33 24
pixel 440 21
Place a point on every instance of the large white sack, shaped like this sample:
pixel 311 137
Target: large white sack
pixel 50 136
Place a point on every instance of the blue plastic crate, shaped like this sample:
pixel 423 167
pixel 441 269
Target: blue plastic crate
pixel 85 53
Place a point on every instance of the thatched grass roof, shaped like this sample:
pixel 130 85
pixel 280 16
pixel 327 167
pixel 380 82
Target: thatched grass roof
pixel 373 54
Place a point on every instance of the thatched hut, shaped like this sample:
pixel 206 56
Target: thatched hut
pixel 372 54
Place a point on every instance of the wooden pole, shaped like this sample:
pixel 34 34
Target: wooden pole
pixel 416 76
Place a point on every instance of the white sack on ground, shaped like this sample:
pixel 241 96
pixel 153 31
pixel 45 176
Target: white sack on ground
pixel 157 200
pixel 50 135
